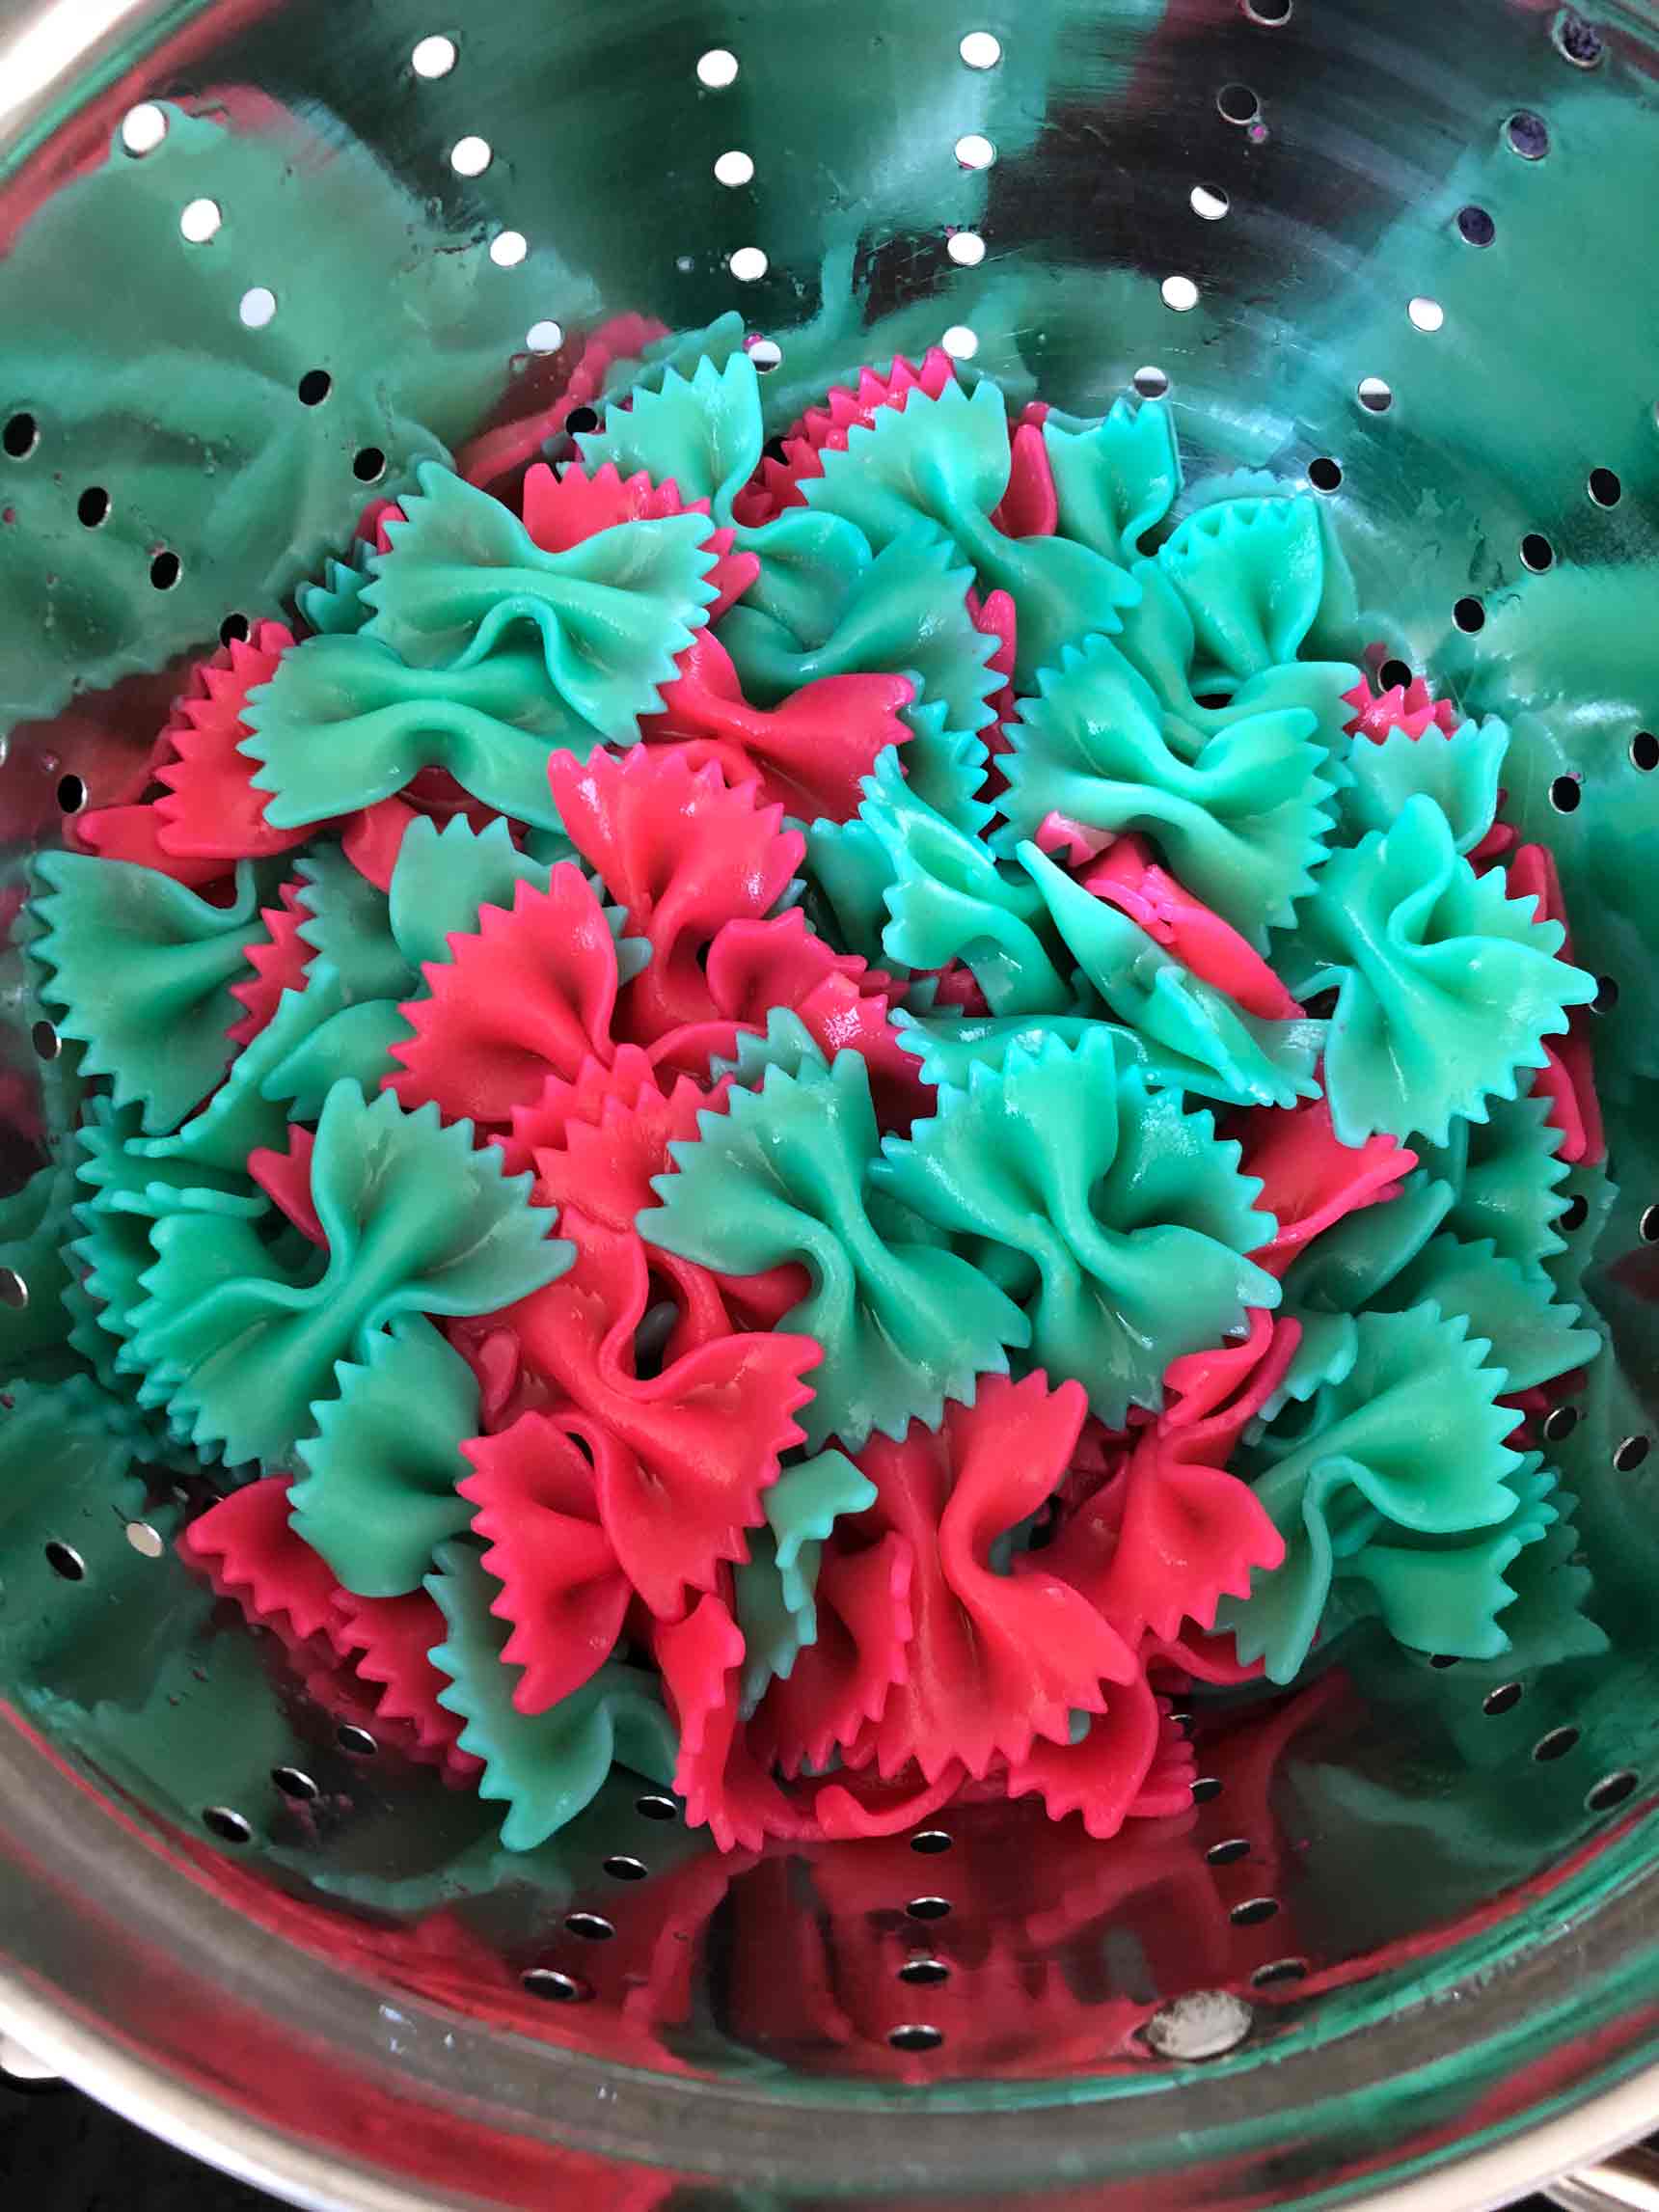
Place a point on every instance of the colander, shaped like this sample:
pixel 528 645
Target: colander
pixel 261 255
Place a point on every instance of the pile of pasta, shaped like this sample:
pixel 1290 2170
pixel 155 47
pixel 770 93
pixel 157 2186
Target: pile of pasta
pixel 820 1116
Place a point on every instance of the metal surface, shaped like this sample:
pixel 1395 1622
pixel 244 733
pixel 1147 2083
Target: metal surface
pixel 1440 1939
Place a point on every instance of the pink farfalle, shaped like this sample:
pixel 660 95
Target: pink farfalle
pixel 285 1177
pixel 680 852
pixel 1103 1778
pixel 611 1141
pixel 777 483
pixel 535 1490
pixel 994 1659
pixel 1310 1179
pixel 561 511
pixel 725 1786
pixel 132 834
pixel 1128 876
pixel 808 754
pixel 702 1438
pixel 756 967
pixel 545 1118
pixel 1073 843
pixel 389 1640
pixel 1030 506
pixel 210 808
pixel 533 992
pixel 839 1684
pixel 248 1549
pixel 1171 1531
pixel 995 617
pixel 825 427
pixel 1411 707
pixel 279 960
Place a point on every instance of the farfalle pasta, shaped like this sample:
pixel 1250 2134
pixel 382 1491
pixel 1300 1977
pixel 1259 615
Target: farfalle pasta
pixel 816 1118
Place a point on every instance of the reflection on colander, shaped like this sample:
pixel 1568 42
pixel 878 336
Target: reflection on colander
pixel 261 264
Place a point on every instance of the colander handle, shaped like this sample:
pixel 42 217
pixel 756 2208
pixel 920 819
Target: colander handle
pixel 1627 2183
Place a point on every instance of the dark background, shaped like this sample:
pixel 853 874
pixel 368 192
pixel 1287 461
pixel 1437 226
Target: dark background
pixel 58 2152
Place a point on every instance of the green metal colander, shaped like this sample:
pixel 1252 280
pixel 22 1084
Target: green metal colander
pixel 261 257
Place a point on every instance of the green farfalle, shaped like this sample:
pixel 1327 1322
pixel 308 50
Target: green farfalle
pixel 336 606
pixel 1122 1220
pixel 610 614
pixel 1409 1439
pixel 314 1037
pixel 679 351
pixel 1246 1058
pixel 946 461
pixel 784 1042
pixel 1354 1261
pixel 852 868
pixel 1460 773
pixel 1534 1337
pixel 1251 574
pixel 1114 479
pixel 1445 988
pixel 445 875
pixel 1240 815
pixel 945 766
pixel 782 1175
pixel 775 1591
pixel 414 1219
pixel 35 1221
pixel 704 433
pixel 948 898
pixel 343 723
pixel 1506 1178
pixel 1157 638
pixel 1444 1593
pixel 545 1767
pixel 378 1493
pixel 348 921
pixel 903 612
pixel 138 970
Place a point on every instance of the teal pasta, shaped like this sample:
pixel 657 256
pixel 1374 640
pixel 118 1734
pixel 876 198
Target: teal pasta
pixel 1445 988
pixel 946 461
pixel 703 434
pixel 378 1493
pixel 948 898
pixel 782 1175
pixel 1114 479
pixel 464 576
pixel 1506 1179
pixel 1159 641
pixel 1459 772
pixel 348 923
pixel 445 875
pixel 1122 1221
pixel 545 1767
pixel 1244 1058
pixel 775 1590
pixel 904 609
pixel 1407 1444
pixel 336 606
pixel 1251 574
pixel 139 969
pixel 414 1220
pixel 1242 813
pixel 344 723
pixel 1533 1334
